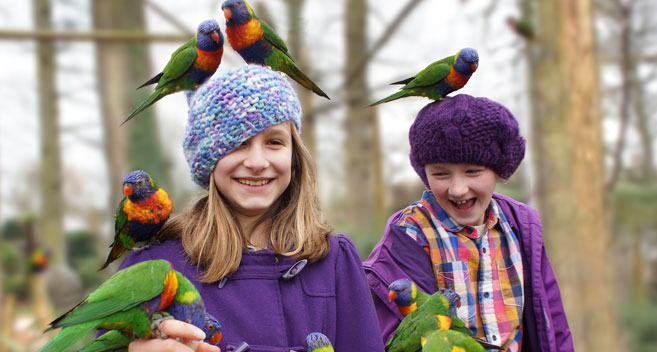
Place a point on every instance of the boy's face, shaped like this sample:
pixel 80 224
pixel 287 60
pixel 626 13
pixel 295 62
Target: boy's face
pixel 464 191
pixel 255 174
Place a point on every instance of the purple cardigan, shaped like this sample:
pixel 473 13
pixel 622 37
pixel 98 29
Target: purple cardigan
pixel 256 304
pixel 544 323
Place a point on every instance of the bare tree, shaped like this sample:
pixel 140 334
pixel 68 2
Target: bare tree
pixel 570 177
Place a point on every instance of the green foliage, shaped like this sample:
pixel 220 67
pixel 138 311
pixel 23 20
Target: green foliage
pixel 82 256
pixel 635 206
pixel 13 229
pixel 13 278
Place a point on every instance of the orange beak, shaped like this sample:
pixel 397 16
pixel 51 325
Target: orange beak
pixel 127 190
pixel 227 13
pixel 215 36
pixel 473 66
pixel 216 338
pixel 391 295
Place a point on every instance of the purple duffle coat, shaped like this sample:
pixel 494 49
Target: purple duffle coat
pixel 274 312
pixel 544 324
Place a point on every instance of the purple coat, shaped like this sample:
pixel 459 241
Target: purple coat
pixel 256 304
pixel 544 323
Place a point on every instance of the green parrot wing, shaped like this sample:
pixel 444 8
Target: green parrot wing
pixel 272 38
pixel 408 335
pixel 120 219
pixel 179 63
pixel 430 75
pixel 124 290
pixel 112 340
pixel 421 298
pixel 449 340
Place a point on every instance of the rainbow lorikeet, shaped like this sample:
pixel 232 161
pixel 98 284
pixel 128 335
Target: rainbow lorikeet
pixel 140 215
pixel 126 302
pixel 318 342
pixel 257 43
pixel 189 66
pixel 449 341
pixel 39 260
pixel 439 78
pixel 408 298
pixel 116 341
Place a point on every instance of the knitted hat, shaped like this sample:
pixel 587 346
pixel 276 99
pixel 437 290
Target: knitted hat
pixel 466 130
pixel 228 110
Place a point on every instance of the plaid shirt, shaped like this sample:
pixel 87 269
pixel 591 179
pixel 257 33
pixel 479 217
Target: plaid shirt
pixel 484 269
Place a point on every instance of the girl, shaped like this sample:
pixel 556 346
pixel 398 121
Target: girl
pixel 486 247
pixel 255 246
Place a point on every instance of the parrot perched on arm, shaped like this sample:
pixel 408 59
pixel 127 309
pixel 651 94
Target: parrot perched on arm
pixel 126 302
pixel 116 341
pixel 257 43
pixel 189 66
pixel 409 298
pixel 318 342
pixel 439 78
pixel 140 215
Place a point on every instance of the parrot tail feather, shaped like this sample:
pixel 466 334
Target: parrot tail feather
pixel 117 250
pixel 390 98
pixel 153 80
pixel 403 81
pixel 298 76
pixel 157 95
pixel 68 336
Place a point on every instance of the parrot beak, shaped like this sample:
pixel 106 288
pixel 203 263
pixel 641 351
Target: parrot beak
pixel 228 14
pixel 391 295
pixel 473 66
pixel 215 36
pixel 127 190
pixel 216 338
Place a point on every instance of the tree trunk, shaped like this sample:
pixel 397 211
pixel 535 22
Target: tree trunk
pixel 122 67
pixel 50 229
pixel 295 44
pixel 359 127
pixel 570 182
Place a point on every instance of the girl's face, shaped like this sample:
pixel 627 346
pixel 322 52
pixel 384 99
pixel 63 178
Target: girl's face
pixel 464 191
pixel 255 174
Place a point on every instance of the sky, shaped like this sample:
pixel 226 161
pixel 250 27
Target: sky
pixel 435 29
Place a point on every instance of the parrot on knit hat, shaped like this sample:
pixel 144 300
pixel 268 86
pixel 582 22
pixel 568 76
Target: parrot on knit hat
pixel 449 341
pixel 257 43
pixel 140 215
pixel 318 342
pixel 189 66
pixel 439 78
pixel 127 302
pixel 114 340
pixel 408 298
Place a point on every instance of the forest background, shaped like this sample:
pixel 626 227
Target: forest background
pixel 579 77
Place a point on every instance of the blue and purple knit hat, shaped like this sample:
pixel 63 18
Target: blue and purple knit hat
pixel 228 110
pixel 466 130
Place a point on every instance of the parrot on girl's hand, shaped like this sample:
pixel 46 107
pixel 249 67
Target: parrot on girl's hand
pixel 116 341
pixel 318 342
pixel 140 215
pixel 189 66
pixel 439 78
pixel 257 43
pixel 126 302
pixel 449 341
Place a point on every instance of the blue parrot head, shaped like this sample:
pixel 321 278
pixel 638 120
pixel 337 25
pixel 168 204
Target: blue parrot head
pixel 316 340
pixel 212 329
pixel 237 12
pixel 208 36
pixel 453 298
pixel 467 61
pixel 403 291
pixel 138 185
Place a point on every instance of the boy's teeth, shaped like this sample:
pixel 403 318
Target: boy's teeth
pixel 253 182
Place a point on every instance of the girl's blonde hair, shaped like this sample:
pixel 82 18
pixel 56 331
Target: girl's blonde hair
pixel 213 239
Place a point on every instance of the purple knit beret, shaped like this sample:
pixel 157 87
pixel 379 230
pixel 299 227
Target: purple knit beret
pixel 228 110
pixel 466 130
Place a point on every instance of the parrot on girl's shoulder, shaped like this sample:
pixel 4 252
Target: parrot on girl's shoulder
pixel 257 43
pixel 189 66
pixel 126 302
pixel 439 78
pixel 318 342
pixel 140 215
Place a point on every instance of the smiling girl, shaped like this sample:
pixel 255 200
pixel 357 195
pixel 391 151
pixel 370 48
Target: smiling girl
pixel 461 235
pixel 256 247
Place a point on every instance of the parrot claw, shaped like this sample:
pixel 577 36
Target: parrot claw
pixel 145 245
pixel 156 326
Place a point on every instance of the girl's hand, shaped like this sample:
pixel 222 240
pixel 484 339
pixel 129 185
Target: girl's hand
pixel 189 338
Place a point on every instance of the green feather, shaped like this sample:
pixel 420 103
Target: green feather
pixel 409 332
pixel 112 340
pixel 447 340
pixel 67 337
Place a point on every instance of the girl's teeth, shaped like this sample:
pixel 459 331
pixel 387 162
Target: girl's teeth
pixel 253 183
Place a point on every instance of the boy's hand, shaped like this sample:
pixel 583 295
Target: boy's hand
pixel 183 337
